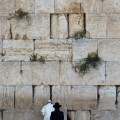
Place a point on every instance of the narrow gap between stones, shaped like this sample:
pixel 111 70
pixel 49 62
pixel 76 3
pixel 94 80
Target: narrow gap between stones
pixel 98 95
pixel 21 71
pixel 116 102
pixel 84 22
pixel 33 95
pixel 34 44
pixel 90 114
pixel 50 92
pixel 14 96
pixel 50 26
pixel 2 114
pixel 68 25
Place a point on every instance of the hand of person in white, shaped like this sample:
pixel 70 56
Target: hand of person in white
pixel 47 109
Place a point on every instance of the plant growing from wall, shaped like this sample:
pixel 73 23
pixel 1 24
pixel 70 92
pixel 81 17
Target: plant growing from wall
pixel 79 35
pixel 91 61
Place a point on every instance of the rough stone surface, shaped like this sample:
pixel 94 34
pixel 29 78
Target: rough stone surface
pixel 23 97
pixel 68 76
pixel 82 47
pixel 36 27
pixel 76 24
pixel 6 97
pixel 79 115
pixel 113 25
pixel 75 97
pixel 44 6
pixel 17 50
pixel 59 26
pixel 67 6
pixel 36 73
pixel 10 73
pixel 7 6
pixel 41 96
pixel 96 25
pixel 54 49
pixel 109 49
pixel 25 5
pixel 107 98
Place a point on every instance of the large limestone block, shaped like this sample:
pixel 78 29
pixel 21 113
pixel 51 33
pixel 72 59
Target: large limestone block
pixel 75 97
pixel 109 50
pixel 91 6
pixel 68 76
pixel 10 73
pixel 67 6
pixel 41 96
pixel 96 25
pixel 7 6
pixel 17 50
pixel 59 26
pixel 23 97
pixel 107 98
pixel 36 73
pixel 113 73
pixel 37 27
pixel 82 47
pixel 76 24
pixel 6 97
pixel 79 115
pixel 113 26
pixel 44 6
pixel 4 27
pixel 25 5
pixel 54 49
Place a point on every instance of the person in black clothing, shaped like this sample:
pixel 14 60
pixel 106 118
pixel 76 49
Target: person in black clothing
pixel 57 114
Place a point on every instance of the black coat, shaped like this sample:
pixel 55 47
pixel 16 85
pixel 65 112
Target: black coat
pixel 57 115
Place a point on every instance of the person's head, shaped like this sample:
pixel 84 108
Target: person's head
pixel 56 105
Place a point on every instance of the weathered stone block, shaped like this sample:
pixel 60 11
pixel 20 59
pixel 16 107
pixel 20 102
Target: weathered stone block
pixel 41 96
pixel 67 6
pixel 75 97
pixel 107 98
pixel 17 50
pixel 68 76
pixel 23 97
pixel 82 47
pixel 79 115
pixel 6 97
pixel 36 73
pixel 59 26
pixel 37 27
pixel 9 73
pixel 26 5
pixel 113 26
pixel 7 6
pixel 54 49
pixel 109 50
pixel 44 6
pixel 96 25
pixel 76 24
pixel 113 73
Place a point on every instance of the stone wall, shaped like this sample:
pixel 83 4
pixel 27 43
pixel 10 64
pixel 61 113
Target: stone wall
pixel 25 86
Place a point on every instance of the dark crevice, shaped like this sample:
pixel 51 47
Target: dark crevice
pixel 116 102
pixel 90 114
pixel 50 26
pixel 68 25
pixel 2 114
pixel 14 97
pixel 33 94
pixel 84 22
pixel 98 95
pixel 50 92
pixel 34 44
pixel 21 71
pixel 11 36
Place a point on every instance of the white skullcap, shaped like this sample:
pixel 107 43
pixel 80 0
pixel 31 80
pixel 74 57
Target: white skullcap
pixel 49 101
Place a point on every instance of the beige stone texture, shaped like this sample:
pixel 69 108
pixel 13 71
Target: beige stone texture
pixel 25 5
pixel 107 98
pixel 4 27
pixel 79 115
pixel 36 27
pixel 113 73
pixel 17 50
pixel 59 26
pixel 54 49
pixel 10 73
pixel 109 50
pixel 23 98
pixel 44 6
pixel 7 6
pixel 113 25
pixel 67 6
pixel 82 47
pixel 75 97
pixel 96 25
pixel 6 97
pixel 68 76
pixel 76 24
pixel 41 96
pixel 36 73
